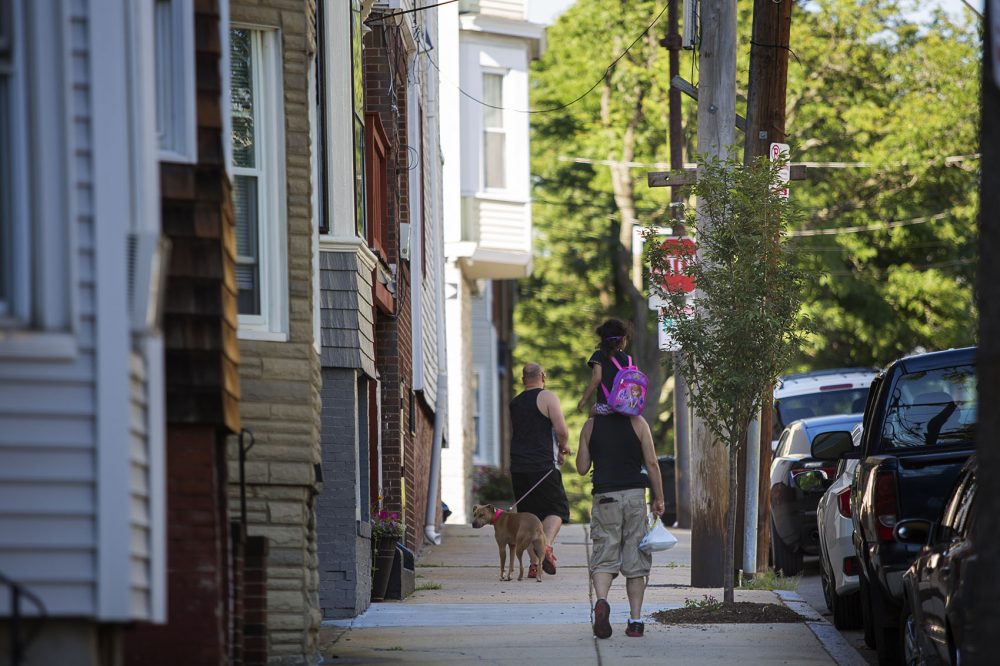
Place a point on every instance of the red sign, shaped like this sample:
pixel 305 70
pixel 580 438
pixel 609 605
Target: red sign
pixel 678 252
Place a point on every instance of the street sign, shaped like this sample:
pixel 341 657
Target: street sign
pixel 679 251
pixel 665 336
pixel 777 151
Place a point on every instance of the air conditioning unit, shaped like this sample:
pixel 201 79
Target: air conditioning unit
pixel 148 255
pixel 689 29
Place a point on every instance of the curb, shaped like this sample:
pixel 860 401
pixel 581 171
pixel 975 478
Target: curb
pixel 831 639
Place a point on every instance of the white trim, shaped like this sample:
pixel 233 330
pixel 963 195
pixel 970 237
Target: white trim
pixel 227 111
pixel 339 118
pixel 415 136
pixel 36 345
pixel 157 452
pixel 353 244
pixel 109 77
pixel 263 336
pixel 179 141
pixel 272 209
pixel 314 201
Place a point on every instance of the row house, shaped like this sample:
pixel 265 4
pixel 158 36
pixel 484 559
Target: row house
pixel 381 290
pixel 486 46
pixel 118 353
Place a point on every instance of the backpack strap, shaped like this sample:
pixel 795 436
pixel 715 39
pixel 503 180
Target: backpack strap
pixel 630 361
pixel 607 393
pixel 617 364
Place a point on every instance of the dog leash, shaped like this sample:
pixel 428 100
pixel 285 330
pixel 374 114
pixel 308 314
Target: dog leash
pixel 532 488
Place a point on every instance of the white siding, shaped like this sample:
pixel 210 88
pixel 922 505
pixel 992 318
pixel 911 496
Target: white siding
pixel 47 424
pixel 484 360
pixel 139 491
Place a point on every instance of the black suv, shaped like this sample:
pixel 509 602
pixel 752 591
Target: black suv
pixel 919 425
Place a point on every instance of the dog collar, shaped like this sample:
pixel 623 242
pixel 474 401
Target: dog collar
pixel 495 516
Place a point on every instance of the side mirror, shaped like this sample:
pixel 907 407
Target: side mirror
pixel 913 531
pixel 831 445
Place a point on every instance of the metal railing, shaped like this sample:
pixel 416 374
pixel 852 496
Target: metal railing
pixel 18 646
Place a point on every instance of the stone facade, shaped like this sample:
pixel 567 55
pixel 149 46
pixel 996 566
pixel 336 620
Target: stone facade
pixel 280 380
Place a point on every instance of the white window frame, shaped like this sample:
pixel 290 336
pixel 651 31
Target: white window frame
pixel 272 322
pixel 502 130
pixel 177 133
pixel 41 318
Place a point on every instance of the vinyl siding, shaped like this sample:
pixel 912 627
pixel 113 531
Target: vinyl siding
pixel 484 346
pixel 139 520
pixel 47 424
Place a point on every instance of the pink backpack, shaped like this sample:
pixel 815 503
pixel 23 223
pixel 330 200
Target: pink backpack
pixel 628 390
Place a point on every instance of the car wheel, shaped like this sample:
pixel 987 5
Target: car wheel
pixel 909 645
pixel 887 639
pixel 785 559
pixel 866 612
pixel 826 583
pixel 847 613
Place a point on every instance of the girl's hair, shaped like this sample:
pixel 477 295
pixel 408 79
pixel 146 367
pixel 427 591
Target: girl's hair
pixel 612 334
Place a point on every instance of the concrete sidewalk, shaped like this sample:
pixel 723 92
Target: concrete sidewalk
pixel 474 617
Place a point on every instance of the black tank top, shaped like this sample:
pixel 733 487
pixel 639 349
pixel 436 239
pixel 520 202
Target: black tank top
pixel 531 434
pixel 616 452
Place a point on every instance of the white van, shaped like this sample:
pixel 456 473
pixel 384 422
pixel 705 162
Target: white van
pixel 819 393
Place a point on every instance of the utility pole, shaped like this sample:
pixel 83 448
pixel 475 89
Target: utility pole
pixel 682 443
pixel 766 96
pixel 716 134
pixel 978 647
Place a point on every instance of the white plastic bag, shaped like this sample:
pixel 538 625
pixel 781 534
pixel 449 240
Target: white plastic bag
pixel 657 538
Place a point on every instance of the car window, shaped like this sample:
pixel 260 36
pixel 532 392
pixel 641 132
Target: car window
pixel 931 407
pixel 821 403
pixel 782 449
pixel 799 442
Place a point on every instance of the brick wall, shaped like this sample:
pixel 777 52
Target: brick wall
pixel 280 380
pixel 198 622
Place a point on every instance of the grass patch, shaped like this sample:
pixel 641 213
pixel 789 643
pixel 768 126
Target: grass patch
pixel 706 603
pixel 427 586
pixel 771 580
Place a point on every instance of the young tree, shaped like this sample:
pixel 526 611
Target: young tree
pixel 742 330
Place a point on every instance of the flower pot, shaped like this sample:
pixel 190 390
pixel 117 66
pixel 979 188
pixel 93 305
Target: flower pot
pixel 383 554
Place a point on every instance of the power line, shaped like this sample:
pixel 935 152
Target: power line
pixel 868 227
pixel 560 107
pixel 383 17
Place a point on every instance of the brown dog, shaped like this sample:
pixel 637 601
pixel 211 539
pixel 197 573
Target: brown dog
pixel 515 531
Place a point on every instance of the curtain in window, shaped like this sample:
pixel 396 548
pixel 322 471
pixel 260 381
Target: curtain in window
pixel 494 139
pixel 246 209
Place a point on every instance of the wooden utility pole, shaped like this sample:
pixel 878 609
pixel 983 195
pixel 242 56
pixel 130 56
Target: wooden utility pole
pixel 766 96
pixel 716 134
pixel 984 616
pixel 682 442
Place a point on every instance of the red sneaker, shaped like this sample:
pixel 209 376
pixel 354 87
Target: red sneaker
pixel 635 629
pixel 602 615
pixel 549 563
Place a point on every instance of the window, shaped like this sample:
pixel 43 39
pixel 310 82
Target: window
pixel 932 407
pixel 175 83
pixel 15 230
pixel 377 162
pixel 258 181
pixel 320 120
pixel 477 432
pixel 494 137
pixel 6 159
pixel 357 78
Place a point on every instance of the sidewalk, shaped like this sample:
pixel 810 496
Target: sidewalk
pixel 474 617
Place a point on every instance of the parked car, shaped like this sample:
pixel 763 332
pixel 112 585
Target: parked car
pixel 936 586
pixel 819 393
pixel 918 432
pixel 837 558
pixel 797 482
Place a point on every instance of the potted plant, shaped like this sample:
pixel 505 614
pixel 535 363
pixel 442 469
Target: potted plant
pixel 386 532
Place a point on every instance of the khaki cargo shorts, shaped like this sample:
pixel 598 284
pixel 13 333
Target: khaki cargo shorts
pixel 617 525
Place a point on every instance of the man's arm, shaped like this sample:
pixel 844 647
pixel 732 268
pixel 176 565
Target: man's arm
pixel 652 464
pixel 553 410
pixel 583 452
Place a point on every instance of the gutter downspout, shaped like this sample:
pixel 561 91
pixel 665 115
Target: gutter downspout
pixel 440 419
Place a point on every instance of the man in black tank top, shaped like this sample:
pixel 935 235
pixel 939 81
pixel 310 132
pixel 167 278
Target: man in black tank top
pixel 538 443
pixel 619 447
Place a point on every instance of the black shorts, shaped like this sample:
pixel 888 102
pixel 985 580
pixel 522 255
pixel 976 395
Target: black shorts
pixel 548 499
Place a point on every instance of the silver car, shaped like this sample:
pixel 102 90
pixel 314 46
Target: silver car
pixel 837 557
